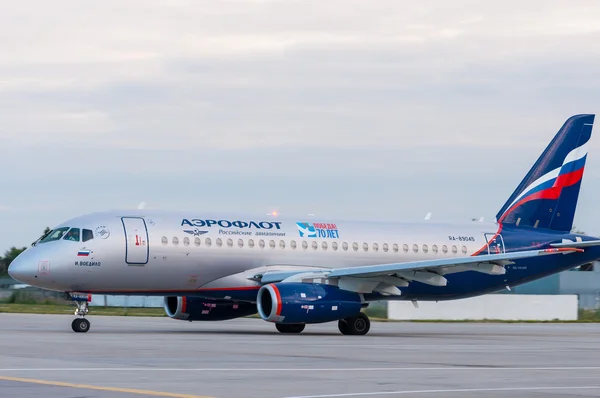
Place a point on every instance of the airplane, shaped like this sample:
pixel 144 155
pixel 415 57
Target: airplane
pixel 299 271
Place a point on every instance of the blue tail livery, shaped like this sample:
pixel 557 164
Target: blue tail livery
pixel 547 196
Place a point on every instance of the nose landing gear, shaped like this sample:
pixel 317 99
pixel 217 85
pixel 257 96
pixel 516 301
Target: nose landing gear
pixel 81 325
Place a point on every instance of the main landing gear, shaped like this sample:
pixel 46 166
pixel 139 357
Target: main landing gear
pixel 290 328
pixel 358 325
pixel 80 325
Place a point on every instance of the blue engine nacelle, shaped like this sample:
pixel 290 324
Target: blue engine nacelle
pixel 306 303
pixel 198 309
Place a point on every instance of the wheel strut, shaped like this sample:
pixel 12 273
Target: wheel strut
pixel 81 325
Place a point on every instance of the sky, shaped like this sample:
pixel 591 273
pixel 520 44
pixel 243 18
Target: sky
pixel 354 109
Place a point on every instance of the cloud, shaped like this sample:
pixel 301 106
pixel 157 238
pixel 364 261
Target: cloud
pixel 405 100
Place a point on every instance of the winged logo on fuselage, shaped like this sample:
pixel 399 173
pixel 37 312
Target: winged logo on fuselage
pixel 195 232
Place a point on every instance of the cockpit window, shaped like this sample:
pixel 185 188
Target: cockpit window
pixel 87 235
pixel 72 235
pixel 55 235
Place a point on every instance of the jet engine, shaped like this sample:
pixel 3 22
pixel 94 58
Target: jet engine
pixel 198 309
pixel 295 303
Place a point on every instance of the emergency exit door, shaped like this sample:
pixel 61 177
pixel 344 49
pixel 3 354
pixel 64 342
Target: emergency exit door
pixel 136 240
pixel 495 243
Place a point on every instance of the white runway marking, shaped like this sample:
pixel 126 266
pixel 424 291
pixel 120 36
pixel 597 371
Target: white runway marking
pixel 469 368
pixel 359 394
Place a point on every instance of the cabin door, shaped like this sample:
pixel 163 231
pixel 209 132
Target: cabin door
pixel 136 240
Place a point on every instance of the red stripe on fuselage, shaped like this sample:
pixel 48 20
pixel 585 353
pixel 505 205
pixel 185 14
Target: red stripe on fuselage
pixel 183 304
pixel 278 312
pixel 215 289
pixel 236 288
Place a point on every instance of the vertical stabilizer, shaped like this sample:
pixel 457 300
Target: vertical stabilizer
pixel 547 196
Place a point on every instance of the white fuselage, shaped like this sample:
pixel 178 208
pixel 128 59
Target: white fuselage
pixel 147 252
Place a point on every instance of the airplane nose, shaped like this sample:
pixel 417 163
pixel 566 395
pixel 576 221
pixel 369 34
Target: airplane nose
pixel 23 268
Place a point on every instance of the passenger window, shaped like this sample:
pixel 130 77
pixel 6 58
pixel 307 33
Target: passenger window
pixel 434 248
pixel 324 245
pixel 464 250
pixel 334 245
pixel 87 235
pixel 444 249
pixel 405 248
pixel 229 242
pixel 345 246
pixel 240 243
pixel 365 247
pixel 293 244
pixel 208 242
pixel 186 241
pixel 55 235
pixel 415 248
pixel 314 245
pixel 281 244
pixel 425 249
pixel 454 249
pixel 304 244
pixel 175 241
pixel 375 247
pixel 219 242
pixel 251 243
pixel 72 235
pixel 395 247
pixel 355 246
pixel 261 243
pixel 197 241
pixel 385 247
pixel 272 244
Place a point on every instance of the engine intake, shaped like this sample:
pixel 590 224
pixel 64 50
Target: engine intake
pixel 199 309
pixel 306 303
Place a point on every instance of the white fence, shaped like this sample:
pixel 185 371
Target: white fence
pixel 101 300
pixel 510 307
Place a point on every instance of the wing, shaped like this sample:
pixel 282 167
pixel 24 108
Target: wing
pixel 386 278
pixel 585 243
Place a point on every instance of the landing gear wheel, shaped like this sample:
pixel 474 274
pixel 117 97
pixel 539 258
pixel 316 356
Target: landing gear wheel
pixel 358 325
pixel 343 326
pixel 80 325
pixel 290 328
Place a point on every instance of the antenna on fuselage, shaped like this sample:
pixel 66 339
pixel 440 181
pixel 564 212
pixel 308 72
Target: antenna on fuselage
pixel 141 206
pixel 428 216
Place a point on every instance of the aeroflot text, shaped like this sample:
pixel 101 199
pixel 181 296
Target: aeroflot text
pixel 228 224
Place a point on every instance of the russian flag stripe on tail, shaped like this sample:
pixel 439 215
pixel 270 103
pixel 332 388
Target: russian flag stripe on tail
pixel 547 196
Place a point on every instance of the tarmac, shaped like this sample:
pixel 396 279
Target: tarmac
pixel 40 356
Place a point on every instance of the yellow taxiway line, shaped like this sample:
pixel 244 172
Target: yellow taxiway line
pixel 100 388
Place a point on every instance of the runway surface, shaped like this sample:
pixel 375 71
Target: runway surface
pixel 143 357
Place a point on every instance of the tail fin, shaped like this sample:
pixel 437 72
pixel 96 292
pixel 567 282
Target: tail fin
pixel 547 196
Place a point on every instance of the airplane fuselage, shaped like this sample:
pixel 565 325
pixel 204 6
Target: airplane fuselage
pixel 216 256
